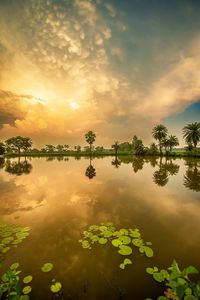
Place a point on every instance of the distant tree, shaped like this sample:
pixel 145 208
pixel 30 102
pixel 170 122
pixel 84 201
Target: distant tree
pixel 99 149
pixel 2 148
pixel 191 133
pixel 19 143
pixel 153 149
pixel 159 133
pixel 60 148
pixel 165 143
pixel 138 146
pixel 172 142
pixel 115 146
pixel 90 137
pixel 125 146
pixel 50 148
pixel 66 147
pixel 77 148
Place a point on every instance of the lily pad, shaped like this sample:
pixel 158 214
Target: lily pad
pixel 47 267
pixel 125 250
pixel 125 239
pixel 14 266
pixel 102 241
pixel 27 279
pixel 148 251
pixel 27 289
pixel 56 287
pixel 116 242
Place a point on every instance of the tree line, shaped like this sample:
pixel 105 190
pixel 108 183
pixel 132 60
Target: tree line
pixel 165 143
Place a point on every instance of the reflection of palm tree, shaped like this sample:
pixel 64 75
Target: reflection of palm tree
pixel 18 168
pixel 90 171
pixel 2 162
pixel 116 162
pixel 161 176
pixel 137 163
pixel 192 176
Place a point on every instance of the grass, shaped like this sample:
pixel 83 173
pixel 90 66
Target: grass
pixel 174 153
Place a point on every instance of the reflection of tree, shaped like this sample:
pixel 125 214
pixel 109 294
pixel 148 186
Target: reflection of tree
pixel 160 177
pixel 18 168
pixel 192 176
pixel 116 162
pixel 2 162
pixel 137 163
pixel 90 171
pixel 166 169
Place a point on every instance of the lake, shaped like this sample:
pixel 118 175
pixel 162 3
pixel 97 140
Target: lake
pixel 59 198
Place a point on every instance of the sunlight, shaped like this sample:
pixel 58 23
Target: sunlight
pixel 74 105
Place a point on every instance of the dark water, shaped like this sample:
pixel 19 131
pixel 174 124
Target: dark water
pixel 59 198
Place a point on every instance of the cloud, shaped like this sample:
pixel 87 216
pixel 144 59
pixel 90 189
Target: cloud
pixel 84 52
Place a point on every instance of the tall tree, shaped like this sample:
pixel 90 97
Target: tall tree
pixel 115 146
pixel 172 142
pixel 19 143
pixel 159 133
pixel 50 148
pixel 90 137
pixel 191 133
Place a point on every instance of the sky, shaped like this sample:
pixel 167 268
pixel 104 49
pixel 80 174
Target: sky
pixel 115 67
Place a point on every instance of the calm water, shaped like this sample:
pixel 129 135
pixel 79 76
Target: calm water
pixel 59 199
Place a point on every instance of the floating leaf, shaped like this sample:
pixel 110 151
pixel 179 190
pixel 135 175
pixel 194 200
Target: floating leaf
pixel 125 239
pixel 148 251
pixel 27 279
pixel 27 289
pixel 116 242
pixel 102 241
pixel 56 287
pixel 127 261
pixel 137 242
pixel 14 266
pixel 122 266
pixel 47 267
pixel 125 250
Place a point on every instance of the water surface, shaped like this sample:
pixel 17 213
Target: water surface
pixel 60 197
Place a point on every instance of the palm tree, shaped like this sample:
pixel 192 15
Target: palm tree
pixel 191 133
pixel 159 133
pixel 172 142
pixel 115 146
pixel 90 137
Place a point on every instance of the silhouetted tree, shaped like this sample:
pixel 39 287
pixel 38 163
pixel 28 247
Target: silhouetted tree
pixel 115 146
pixel 172 142
pixel 19 143
pixel 159 133
pixel 191 133
pixel 90 137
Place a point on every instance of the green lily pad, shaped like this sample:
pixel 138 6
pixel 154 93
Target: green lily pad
pixel 56 287
pixel 148 251
pixel 125 250
pixel 102 241
pixel 14 266
pixel 127 261
pixel 27 289
pixel 137 242
pixel 116 242
pixel 27 279
pixel 125 239
pixel 47 267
